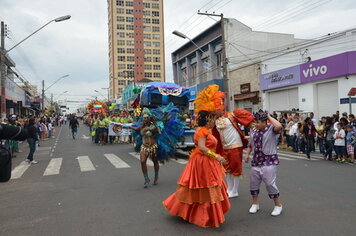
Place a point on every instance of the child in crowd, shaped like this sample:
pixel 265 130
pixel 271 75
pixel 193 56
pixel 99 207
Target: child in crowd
pixel 350 143
pixel 339 145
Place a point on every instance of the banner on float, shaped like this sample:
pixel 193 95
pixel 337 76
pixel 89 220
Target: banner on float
pixel 116 129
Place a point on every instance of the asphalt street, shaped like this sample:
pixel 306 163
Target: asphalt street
pixel 79 188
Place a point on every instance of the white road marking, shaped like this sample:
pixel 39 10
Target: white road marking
pixel 44 148
pixel 19 170
pixel 85 164
pixel 116 161
pixel 180 161
pixel 286 158
pixel 53 167
pixel 137 156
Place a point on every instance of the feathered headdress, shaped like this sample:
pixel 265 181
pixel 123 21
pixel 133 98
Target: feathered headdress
pixel 210 99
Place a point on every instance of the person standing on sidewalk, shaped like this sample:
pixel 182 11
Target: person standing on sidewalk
pixel 31 139
pixel 340 146
pixel 74 125
pixel 309 132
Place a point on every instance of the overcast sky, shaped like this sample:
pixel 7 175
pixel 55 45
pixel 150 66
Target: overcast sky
pixel 79 46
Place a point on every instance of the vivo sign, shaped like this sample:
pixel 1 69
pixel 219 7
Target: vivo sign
pixel 315 71
pixel 329 67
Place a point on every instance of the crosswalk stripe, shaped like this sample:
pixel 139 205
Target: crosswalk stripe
pixel 85 164
pixel 53 167
pixel 116 161
pixel 44 148
pixel 137 156
pixel 297 157
pixel 286 158
pixel 180 161
pixel 19 170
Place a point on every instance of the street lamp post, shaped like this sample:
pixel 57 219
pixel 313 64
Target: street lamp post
pixel 100 93
pixel 44 90
pixel 3 52
pixel 108 93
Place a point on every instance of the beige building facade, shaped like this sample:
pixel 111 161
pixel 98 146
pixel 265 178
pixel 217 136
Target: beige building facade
pixel 136 43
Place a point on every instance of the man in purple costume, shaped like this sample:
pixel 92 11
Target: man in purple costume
pixel 265 160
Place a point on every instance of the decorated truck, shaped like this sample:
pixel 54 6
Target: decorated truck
pixel 155 94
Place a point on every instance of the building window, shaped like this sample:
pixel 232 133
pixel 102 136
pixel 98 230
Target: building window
pixel 184 74
pixel 129 19
pixel 129 11
pixel 148 67
pixel 157 75
pixel 130 35
pixel 146 36
pixel 156 44
pixel 120 27
pixel 120 42
pixel 120 11
pixel 146 5
pixel 156 59
pixel 148 75
pixel 130 58
pixel 121 82
pixel 146 21
pixel 155 13
pixel 155 29
pixel 155 5
pixel 148 51
pixel 194 70
pixel 130 51
pixel 121 19
pixel 121 58
pixel 155 21
pixel 129 27
pixel 156 51
pixel 146 13
pixel 156 36
pixel 129 3
pixel 148 59
pixel 147 44
pixel 121 50
pixel 119 90
pixel 218 59
pixel 147 28
pixel 121 66
pixel 156 67
pixel 130 66
pixel 121 34
pixel 130 43
pixel 120 3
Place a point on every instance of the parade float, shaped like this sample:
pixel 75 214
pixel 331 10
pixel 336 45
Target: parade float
pixel 97 107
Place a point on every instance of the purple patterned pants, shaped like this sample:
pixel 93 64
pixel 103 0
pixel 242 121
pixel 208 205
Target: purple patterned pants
pixel 267 174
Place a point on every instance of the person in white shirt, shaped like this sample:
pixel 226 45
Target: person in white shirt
pixel 50 128
pixel 339 144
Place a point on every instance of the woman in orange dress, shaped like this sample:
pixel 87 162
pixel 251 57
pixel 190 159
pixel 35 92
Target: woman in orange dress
pixel 201 196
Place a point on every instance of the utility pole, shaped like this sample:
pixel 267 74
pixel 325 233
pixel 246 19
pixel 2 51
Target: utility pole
pixel 3 71
pixel 43 95
pixel 224 59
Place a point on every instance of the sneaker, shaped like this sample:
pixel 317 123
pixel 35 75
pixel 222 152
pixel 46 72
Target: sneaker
pixel 277 210
pixel 254 208
pixel 27 160
pixel 233 195
pixel 34 162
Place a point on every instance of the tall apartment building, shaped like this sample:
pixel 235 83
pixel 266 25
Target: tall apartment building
pixel 136 43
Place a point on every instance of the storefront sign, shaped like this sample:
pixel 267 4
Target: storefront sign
pixel 245 88
pixel 329 67
pixel 281 78
pixel 193 92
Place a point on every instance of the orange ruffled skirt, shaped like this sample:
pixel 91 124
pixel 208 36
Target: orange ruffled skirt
pixel 201 196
